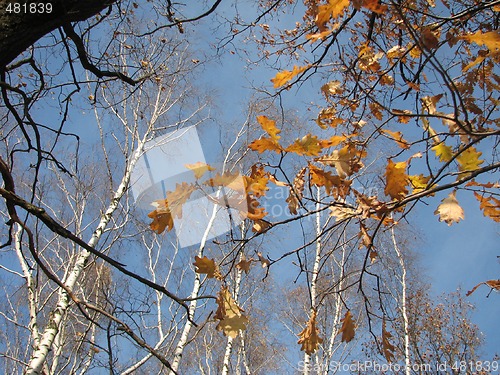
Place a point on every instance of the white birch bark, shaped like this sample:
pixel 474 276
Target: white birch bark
pixel 39 355
pixel 229 342
pixel 404 311
pixel 314 277
pixel 179 350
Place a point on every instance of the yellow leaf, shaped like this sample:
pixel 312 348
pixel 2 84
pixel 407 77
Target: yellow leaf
pixel 334 140
pixel 396 180
pixel 178 197
pixel 229 314
pixel 490 39
pixel 449 210
pixel 199 169
pixel 309 337
pixel 282 78
pixel 269 126
pixel 307 145
pixel 207 266
pixel 490 206
pixel 333 9
pixel 347 328
pixel 468 160
pixel 443 152
pixel 419 182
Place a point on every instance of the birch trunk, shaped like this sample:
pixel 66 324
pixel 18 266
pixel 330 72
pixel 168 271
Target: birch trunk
pixel 48 337
pixel 314 278
pixel 404 311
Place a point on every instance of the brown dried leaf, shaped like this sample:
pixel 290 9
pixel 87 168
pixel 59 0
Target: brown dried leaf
pixel 387 347
pixel 309 337
pixel 348 327
pixel 207 266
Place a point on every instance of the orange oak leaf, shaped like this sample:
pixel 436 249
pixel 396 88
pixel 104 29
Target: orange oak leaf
pixel 490 206
pixel 397 137
pixel 307 145
pixel 490 39
pixel 449 210
pixel 332 10
pixel 334 185
pixel 256 183
pixel 162 218
pixel 396 180
pixel 348 327
pixel 207 266
pixel 254 212
pixel 265 144
pixel 309 337
pixel 493 284
pixel 375 6
pixel 283 77
pixel 269 126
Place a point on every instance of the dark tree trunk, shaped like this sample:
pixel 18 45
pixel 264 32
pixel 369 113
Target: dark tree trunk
pixel 20 31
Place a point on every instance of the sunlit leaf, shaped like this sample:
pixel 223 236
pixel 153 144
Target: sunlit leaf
pixel 207 266
pixel 283 77
pixel 490 39
pixel 307 145
pixel 332 10
pixel 449 210
pixel 468 160
pixel 443 152
pixel 229 314
pixel 396 180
